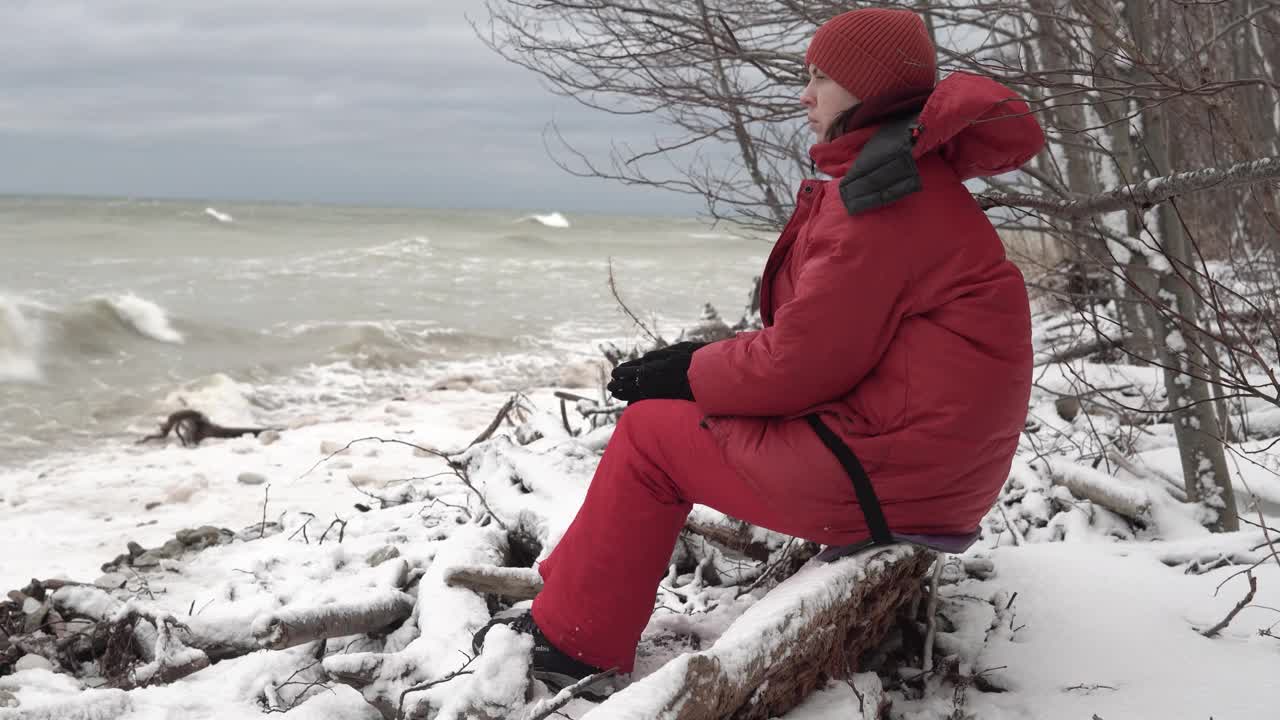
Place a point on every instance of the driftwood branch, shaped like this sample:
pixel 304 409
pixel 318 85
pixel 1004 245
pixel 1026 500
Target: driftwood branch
pixel 510 582
pixel 192 427
pixel 292 626
pixel 927 663
pixel 1076 352
pixel 546 708
pixel 1248 598
pixel 1143 195
pixel 613 288
pixel 497 420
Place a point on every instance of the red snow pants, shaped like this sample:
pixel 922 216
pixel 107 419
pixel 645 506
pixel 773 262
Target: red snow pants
pixel 600 581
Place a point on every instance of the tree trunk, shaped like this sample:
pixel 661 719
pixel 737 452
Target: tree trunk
pixel 1086 247
pixel 1204 463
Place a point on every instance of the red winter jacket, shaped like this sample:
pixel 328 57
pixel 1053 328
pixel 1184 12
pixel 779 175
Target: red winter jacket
pixel 904 327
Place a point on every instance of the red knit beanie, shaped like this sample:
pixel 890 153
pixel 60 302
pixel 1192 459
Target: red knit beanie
pixel 874 51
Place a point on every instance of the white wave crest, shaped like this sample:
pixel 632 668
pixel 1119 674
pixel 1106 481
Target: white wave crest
pixel 20 341
pixel 552 220
pixel 144 316
pixel 219 397
pixel 218 215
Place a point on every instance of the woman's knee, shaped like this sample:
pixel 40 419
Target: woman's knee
pixel 648 420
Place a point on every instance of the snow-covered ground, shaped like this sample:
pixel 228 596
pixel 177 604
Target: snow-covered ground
pixel 1083 616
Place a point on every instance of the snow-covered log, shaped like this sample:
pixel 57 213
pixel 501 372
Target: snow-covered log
pixel 1103 490
pixel 510 582
pixel 173 659
pixel 746 540
pixel 292 626
pixel 387 679
pixel 814 625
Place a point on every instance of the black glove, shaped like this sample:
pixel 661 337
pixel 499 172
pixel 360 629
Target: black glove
pixel 663 377
pixel 683 348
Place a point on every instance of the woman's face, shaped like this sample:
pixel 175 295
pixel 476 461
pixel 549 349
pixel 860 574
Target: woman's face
pixel 825 100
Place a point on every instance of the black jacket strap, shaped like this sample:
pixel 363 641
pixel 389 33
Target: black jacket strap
pixel 867 499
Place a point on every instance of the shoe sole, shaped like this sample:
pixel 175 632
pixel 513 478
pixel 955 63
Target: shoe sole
pixel 556 682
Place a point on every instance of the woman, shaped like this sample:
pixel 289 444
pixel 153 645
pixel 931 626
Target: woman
pixel 896 347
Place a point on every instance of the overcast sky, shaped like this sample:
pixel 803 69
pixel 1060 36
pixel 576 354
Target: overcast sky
pixel 348 101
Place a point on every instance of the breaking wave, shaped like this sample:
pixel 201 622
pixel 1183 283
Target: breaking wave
pixel 551 220
pixel 143 317
pixel 32 335
pixel 20 341
pixel 218 215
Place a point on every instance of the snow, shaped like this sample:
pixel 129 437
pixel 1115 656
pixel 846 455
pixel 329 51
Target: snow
pixel 1097 617
pixel 500 677
pixel 1087 614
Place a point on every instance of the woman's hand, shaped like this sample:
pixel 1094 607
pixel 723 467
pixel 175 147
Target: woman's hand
pixel 663 376
pixel 683 348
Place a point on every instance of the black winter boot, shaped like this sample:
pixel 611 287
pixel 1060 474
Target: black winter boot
pixel 548 664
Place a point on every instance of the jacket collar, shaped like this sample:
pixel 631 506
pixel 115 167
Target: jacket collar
pixel 835 158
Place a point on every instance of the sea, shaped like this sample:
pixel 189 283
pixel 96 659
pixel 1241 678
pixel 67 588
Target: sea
pixel 114 312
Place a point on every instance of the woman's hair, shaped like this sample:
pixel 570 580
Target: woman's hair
pixel 840 125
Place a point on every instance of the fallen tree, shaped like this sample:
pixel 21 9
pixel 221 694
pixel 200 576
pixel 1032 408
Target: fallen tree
pixel 813 626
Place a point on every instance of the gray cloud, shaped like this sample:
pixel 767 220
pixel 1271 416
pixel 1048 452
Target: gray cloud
pixel 387 101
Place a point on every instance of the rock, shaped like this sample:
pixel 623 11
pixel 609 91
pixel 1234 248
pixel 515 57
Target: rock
pixel 111 581
pixel 152 506
pixel 146 560
pixel 329 447
pixel 32 662
pixel 269 437
pixel 383 554
pixel 36 616
pixel 1068 407
pixel 257 531
pixel 55 623
pixel 251 478
pixel 204 536
pixel 171 549
pixel 981 568
pixel 36 589
pixel 17 597
pixel 135 549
